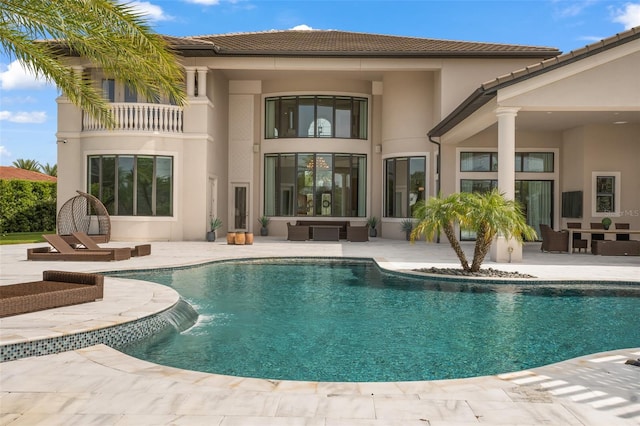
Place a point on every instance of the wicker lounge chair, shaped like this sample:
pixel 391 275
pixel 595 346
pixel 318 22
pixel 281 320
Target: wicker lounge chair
pixel 578 242
pixel 63 251
pixel 358 233
pixel 553 240
pixel 57 288
pixel 90 244
pixel 297 232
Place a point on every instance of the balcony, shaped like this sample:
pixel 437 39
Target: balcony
pixel 139 117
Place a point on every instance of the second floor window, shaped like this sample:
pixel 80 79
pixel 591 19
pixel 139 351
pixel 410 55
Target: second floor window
pixel 316 117
pixel 109 89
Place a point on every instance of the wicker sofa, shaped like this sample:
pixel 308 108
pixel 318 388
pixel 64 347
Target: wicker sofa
pixel 615 248
pixel 342 224
pixel 57 288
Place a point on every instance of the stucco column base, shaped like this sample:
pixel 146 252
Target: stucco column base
pixel 505 250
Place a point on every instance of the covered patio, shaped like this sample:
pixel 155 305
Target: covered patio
pixel 583 108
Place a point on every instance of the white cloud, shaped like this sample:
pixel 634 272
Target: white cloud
pixel 205 2
pixel 302 27
pixel 591 39
pixel 150 11
pixel 23 117
pixel 16 76
pixel 17 100
pixel 629 15
pixel 4 152
pixel 569 9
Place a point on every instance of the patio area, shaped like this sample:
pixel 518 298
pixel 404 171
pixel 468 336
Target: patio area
pixel 98 385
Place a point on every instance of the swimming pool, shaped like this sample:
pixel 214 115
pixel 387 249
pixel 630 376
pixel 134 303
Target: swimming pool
pixel 326 320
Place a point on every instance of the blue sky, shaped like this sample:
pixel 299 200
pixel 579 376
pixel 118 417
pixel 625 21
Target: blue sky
pixel 28 107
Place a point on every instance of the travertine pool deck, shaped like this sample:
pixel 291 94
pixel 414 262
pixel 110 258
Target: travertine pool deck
pixel 100 386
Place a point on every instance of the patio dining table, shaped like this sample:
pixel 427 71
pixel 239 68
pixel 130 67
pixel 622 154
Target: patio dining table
pixel 598 231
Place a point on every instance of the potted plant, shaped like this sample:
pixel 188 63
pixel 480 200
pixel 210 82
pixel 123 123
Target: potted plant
pixel 372 222
pixel 407 227
pixel 264 221
pixel 606 222
pixel 215 223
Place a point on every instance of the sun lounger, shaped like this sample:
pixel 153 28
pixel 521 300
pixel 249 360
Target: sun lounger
pixel 57 288
pixel 89 243
pixel 63 251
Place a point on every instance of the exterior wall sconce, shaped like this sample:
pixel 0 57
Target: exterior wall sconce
pixel 61 141
pixel 256 148
pixel 378 149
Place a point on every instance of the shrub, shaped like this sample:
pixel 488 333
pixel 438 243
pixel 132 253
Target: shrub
pixel 27 206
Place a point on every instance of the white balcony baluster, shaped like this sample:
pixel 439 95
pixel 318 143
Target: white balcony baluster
pixel 139 117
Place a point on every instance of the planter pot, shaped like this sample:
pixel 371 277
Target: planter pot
pixel 248 238
pixel 373 232
pixel 264 231
pixel 231 237
pixel 408 235
pixel 211 236
pixel 240 238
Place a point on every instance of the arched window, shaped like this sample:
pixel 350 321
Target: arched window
pixel 312 116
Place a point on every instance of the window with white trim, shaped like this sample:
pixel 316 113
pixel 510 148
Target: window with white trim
pixel 605 198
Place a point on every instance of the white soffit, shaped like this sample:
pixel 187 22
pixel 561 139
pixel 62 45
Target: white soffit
pixel 568 70
pixel 472 125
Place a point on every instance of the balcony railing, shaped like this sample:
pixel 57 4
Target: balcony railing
pixel 139 117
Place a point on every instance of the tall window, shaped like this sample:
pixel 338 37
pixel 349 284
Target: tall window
pixel 109 89
pixel 605 194
pixel 132 185
pixel 536 162
pixel 534 196
pixel 478 161
pixel 316 117
pixel 404 185
pixel 314 184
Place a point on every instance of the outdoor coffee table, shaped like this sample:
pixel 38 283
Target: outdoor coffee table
pixel 326 233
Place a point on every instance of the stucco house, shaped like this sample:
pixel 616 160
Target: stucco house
pixel 333 124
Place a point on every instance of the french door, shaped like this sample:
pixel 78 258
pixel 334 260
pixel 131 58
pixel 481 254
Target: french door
pixel 240 206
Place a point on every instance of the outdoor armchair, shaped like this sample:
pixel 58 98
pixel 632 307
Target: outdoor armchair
pixel 553 240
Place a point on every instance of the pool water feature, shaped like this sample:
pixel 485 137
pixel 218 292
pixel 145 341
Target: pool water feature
pixel 325 320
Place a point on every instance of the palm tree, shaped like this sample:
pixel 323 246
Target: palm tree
pixel 109 34
pixel 488 214
pixel 441 214
pixel 51 170
pixel 32 165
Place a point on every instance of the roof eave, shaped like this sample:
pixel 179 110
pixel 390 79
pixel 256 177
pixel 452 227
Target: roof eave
pixel 369 54
pixel 489 90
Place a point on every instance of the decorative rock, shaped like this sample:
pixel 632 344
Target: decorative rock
pixel 487 273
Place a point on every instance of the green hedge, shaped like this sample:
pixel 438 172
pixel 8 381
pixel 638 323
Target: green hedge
pixel 27 206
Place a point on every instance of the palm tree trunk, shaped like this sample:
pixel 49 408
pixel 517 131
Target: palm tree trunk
pixel 455 245
pixel 483 243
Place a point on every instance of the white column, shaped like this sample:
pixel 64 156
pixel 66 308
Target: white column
pixel 503 250
pixel 507 150
pixel 202 82
pixel 191 82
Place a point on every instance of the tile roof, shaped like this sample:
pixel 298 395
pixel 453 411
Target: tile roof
pixel 489 89
pixel 14 173
pixel 342 43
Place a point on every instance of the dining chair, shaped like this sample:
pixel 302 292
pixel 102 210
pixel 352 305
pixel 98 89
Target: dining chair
pixel 578 242
pixel 622 237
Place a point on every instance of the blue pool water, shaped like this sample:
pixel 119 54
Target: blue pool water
pixel 336 321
